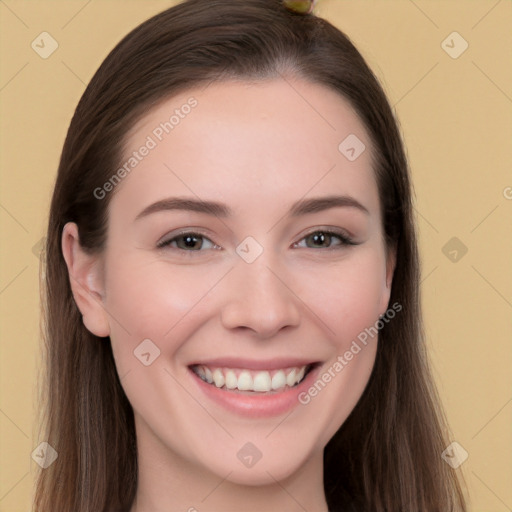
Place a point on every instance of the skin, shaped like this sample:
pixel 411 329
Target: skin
pixel 258 148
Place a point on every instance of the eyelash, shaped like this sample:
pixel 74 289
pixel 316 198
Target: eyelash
pixel 344 239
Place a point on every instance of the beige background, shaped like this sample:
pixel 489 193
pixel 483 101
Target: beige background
pixel 456 115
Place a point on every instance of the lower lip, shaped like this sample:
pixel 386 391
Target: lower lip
pixel 256 405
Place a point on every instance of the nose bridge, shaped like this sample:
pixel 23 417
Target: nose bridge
pixel 259 296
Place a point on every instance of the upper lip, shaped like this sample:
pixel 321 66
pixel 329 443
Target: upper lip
pixel 253 364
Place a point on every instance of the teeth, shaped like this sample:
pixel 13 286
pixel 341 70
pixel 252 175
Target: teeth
pixel 246 380
pixel 279 380
pixel 262 382
pixel 290 378
pixel 218 378
pixel 231 380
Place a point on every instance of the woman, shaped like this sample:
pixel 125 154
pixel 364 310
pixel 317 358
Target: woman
pixel 232 282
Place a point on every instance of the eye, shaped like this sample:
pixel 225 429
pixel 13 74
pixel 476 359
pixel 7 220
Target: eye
pixel 189 242
pixel 323 238
pixel 195 242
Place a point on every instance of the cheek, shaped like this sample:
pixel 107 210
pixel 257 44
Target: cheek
pixel 154 300
pixel 347 296
pixel 348 299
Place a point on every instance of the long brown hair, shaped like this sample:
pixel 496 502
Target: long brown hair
pixel 387 454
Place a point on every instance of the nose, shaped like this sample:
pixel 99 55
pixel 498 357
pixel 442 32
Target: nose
pixel 260 298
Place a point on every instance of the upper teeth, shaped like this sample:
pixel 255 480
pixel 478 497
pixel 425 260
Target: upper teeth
pixel 248 380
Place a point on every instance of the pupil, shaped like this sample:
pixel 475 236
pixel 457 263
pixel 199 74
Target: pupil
pixel 190 241
pixel 319 238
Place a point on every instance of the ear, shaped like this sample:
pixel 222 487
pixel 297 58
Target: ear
pixel 86 280
pixel 390 270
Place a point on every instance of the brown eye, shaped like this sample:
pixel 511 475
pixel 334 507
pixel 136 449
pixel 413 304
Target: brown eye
pixel 187 242
pixel 320 239
pixel 323 239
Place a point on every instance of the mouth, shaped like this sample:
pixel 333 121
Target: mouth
pixel 254 388
pixel 253 382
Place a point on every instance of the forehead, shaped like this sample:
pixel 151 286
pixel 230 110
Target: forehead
pixel 246 142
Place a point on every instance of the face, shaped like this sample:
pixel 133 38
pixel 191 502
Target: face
pixel 235 325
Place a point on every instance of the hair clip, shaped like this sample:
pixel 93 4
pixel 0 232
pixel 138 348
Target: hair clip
pixel 299 6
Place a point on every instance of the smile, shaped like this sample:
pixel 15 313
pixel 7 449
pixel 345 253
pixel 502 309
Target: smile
pixel 253 388
pixel 259 381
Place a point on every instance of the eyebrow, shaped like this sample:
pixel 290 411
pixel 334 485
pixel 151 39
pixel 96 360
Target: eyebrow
pixel 301 207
